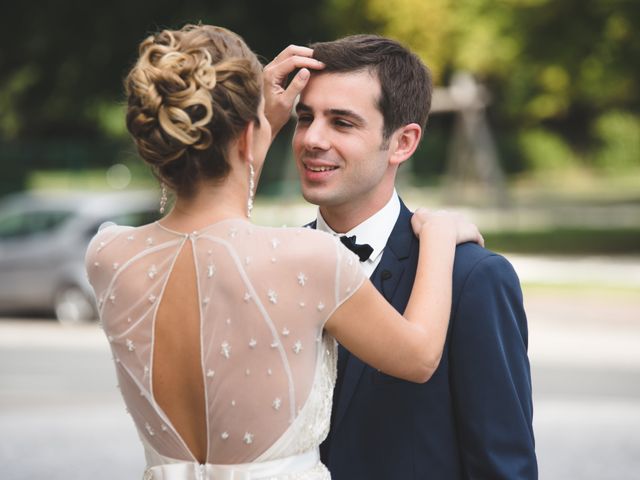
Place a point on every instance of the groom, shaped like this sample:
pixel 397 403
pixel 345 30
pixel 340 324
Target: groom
pixel 361 114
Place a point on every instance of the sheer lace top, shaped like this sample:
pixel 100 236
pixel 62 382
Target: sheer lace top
pixel 264 296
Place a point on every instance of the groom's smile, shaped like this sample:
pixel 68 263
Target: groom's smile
pixel 317 169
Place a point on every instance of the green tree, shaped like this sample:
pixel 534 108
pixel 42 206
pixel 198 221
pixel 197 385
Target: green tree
pixel 551 65
pixel 61 70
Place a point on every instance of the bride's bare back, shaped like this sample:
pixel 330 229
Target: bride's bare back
pixel 178 386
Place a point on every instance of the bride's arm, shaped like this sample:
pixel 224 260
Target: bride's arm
pixel 409 347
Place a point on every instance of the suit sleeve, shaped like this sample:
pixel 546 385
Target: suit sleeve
pixel 490 375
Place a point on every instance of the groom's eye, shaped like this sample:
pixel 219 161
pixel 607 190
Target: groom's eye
pixel 304 119
pixel 338 122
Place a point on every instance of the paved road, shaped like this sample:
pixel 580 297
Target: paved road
pixel 61 416
pixel 586 372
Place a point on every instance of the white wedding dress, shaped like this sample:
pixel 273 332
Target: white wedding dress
pixel 268 369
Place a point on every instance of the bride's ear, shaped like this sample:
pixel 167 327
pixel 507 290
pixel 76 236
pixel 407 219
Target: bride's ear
pixel 245 143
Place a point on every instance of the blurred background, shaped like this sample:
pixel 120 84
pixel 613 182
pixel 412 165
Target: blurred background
pixel 535 132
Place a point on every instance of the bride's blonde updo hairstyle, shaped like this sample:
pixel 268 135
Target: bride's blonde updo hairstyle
pixel 191 92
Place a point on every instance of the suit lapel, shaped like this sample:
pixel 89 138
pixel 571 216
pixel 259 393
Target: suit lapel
pixel 386 278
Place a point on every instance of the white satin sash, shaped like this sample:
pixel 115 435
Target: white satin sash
pixel 241 471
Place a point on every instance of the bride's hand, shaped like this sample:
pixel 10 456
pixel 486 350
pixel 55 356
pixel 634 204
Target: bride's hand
pixel 425 220
pixel 280 97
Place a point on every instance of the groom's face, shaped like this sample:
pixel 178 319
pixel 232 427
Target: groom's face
pixel 338 144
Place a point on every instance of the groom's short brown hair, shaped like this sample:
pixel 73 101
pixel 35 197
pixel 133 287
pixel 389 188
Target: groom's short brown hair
pixel 405 81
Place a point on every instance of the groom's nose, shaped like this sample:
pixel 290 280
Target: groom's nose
pixel 315 137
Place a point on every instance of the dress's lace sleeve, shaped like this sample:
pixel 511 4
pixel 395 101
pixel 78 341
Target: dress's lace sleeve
pixel 337 269
pixel 349 273
pixel 99 277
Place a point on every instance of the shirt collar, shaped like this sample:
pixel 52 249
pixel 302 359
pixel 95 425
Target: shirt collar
pixel 375 230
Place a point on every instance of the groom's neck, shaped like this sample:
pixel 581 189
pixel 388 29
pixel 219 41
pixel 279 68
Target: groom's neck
pixel 345 217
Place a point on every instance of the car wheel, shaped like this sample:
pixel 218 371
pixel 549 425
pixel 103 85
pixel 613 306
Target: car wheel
pixel 72 307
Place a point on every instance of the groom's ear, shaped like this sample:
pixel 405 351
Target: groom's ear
pixel 403 142
pixel 245 143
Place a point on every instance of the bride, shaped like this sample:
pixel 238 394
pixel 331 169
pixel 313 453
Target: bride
pixel 222 331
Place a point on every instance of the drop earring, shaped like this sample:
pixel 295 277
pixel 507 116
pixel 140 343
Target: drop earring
pixel 252 184
pixel 163 197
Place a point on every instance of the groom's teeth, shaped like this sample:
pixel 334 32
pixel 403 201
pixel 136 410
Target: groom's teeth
pixel 321 169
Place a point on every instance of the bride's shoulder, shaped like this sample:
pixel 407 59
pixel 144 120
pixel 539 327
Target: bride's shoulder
pixel 113 246
pixel 107 232
pixel 113 239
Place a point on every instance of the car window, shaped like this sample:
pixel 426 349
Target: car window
pixel 26 224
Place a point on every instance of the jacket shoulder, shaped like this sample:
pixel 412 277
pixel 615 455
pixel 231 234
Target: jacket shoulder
pixel 471 257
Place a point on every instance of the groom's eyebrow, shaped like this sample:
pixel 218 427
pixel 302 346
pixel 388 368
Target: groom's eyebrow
pixel 338 112
pixel 301 107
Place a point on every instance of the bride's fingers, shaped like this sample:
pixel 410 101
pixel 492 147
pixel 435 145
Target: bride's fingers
pixel 296 86
pixel 476 236
pixel 466 231
pixel 293 50
pixel 480 240
pixel 419 218
pixel 277 71
pixel 279 97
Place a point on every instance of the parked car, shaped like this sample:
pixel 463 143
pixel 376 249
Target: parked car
pixel 43 239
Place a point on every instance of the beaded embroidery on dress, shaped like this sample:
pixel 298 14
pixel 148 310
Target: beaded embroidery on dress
pixel 268 369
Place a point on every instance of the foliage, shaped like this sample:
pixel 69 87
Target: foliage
pixel 619 134
pixel 62 74
pixel 545 151
pixel 564 75
pixel 566 241
pixel 558 68
pixel 61 71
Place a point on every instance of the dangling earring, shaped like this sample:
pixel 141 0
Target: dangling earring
pixel 163 197
pixel 252 184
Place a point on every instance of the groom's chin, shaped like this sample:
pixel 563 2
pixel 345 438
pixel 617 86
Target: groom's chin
pixel 324 195
pixel 311 196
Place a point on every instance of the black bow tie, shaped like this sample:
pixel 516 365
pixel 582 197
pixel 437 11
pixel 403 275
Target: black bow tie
pixel 363 251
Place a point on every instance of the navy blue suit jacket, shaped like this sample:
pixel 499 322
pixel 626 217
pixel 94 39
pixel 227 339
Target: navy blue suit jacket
pixel 473 418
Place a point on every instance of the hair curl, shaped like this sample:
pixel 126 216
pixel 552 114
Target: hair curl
pixel 190 93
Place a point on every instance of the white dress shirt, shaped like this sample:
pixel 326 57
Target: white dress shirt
pixel 375 231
